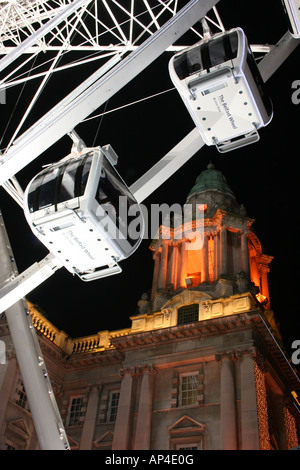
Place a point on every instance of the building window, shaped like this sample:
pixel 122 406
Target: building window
pixel 188 314
pixel 20 395
pixel 188 394
pixel 113 406
pixel 76 413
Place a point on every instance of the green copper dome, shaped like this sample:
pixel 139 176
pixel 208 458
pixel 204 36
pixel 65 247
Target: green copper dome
pixel 210 179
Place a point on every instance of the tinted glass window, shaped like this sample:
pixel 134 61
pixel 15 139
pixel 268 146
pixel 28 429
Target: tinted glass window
pixel 116 199
pixel 32 194
pixel 259 83
pixel 84 174
pixel 67 187
pixel 222 49
pixel 208 54
pixel 47 189
pixel 59 184
pixel 187 63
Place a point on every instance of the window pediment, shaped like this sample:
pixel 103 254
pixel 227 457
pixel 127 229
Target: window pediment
pixel 186 426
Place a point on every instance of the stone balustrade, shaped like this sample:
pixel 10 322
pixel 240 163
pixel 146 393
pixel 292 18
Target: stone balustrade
pixel 87 344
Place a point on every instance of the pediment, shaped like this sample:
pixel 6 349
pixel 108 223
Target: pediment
pixel 186 296
pixel 19 426
pixel 74 443
pixel 186 425
pixel 104 440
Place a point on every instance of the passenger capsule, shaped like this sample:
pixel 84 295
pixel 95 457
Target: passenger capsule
pixel 221 86
pixel 83 212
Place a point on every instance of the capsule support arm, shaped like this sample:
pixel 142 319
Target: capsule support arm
pixel 19 286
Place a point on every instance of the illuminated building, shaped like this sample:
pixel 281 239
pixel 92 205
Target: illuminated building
pixel 202 365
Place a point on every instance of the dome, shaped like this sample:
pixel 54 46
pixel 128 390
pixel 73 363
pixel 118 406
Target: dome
pixel 211 189
pixel 210 179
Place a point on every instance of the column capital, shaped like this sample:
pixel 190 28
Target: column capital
pixel 128 371
pixel 251 351
pixel 226 355
pixel 96 386
pixel 147 368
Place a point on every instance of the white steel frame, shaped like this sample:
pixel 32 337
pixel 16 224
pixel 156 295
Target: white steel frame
pixel 48 28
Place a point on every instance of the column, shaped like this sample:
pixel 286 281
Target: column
pixel 249 419
pixel 228 403
pixel 88 430
pixel 162 275
pixel 265 284
pixel 183 269
pixel 216 256
pixel 143 427
pixel 244 253
pixel 156 258
pixel 223 250
pixel 204 271
pixel 174 266
pixel 122 431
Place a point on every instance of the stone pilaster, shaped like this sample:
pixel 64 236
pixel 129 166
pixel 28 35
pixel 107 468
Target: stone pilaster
pixel 143 427
pixel 228 412
pixel 122 431
pixel 87 435
pixel 249 418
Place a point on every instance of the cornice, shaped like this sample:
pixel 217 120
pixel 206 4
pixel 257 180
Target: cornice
pixel 199 329
pixel 221 218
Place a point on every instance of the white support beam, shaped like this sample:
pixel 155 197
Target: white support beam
pixel 53 126
pixel 277 55
pixel 43 407
pixel 18 287
pixel 167 166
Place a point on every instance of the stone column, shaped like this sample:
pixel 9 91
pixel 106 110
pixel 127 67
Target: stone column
pixel 229 439
pixel 143 427
pixel 122 431
pixel 223 250
pixel 204 273
pixel 156 258
pixel 183 268
pixel 216 256
pixel 174 266
pixel 265 284
pixel 249 418
pixel 244 253
pixel 162 275
pixel 86 441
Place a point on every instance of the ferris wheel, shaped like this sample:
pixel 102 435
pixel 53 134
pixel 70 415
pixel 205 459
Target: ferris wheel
pixel 42 39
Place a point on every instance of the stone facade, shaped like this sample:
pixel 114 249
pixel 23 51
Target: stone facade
pixel 201 367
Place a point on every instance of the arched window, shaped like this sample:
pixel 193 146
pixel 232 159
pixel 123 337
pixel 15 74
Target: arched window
pixel 188 313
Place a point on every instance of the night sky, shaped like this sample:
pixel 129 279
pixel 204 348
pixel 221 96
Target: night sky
pixel 264 177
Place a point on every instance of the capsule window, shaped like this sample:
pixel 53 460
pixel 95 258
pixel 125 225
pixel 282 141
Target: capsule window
pixel 74 178
pixel 188 63
pixel 47 189
pixel 221 50
pixel 110 189
pixel 67 186
pixel 206 55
